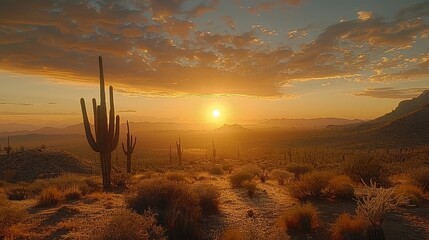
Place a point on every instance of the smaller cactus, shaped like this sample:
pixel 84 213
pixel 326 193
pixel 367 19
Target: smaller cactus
pixel 131 144
pixel 8 149
pixel 179 151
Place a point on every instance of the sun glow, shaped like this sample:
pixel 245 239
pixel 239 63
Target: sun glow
pixel 216 113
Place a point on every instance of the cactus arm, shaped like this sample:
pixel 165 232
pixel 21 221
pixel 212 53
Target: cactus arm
pixel 134 145
pixel 123 148
pixel 111 114
pixel 116 135
pixel 87 126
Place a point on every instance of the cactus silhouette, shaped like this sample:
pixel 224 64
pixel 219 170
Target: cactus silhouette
pixel 179 151
pixel 131 144
pixel 214 150
pixel 8 149
pixel 106 130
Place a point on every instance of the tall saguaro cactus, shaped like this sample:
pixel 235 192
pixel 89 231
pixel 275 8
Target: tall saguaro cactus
pixel 106 130
pixel 131 144
pixel 179 151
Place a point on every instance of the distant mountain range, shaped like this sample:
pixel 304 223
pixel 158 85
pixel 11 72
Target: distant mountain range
pixel 306 123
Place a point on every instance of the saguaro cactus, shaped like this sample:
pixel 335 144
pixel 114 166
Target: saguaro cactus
pixel 179 151
pixel 130 147
pixel 106 132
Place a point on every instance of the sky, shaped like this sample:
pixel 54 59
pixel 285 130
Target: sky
pixel 179 60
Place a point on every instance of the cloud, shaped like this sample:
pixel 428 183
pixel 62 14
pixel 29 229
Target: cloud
pixel 269 5
pixel 229 21
pixel 365 15
pixel 4 102
pixel 156 47
pixel 299 33
pixel 414 11
pixel 391 93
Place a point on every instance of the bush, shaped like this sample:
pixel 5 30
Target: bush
pixel 281 176
pixel 10 215
pixel 175 176
pixel 300 219
pixel 299 169
pixel 366 170
pixel 250 186
pixel 216 170
pixel 341 187
pixel 209 198
pixel 120 179
pixel 420 177
pixel 310 185
pixel 348 227
pixel 411 192
pixel 175 203
pixel 17 192
pixel 50 197
pixel 126 224
pixel 227 167
pixel 252 168
pixel 240 176
pixel 72 193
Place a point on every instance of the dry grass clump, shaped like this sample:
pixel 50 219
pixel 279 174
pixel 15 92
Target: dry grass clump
pixel 240 176
pixel 85 184
pixel 228 167
pixel 209 198
pixel 120 179
pixel 250 186
pixel 50 197
pixel 252 168
pixel 341 187
pixel 348 227
pixel 412 193
pixel 299 169
pixel 216 170
pixel 366 170
pixel 420 177
pixel 10 215
pixel 281 176
pixel 176 205
pixel 310 185
pixel 300 219
pixel 72 193
pixel 126 224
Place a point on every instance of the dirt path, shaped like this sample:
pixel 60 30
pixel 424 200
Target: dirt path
pixel 268 203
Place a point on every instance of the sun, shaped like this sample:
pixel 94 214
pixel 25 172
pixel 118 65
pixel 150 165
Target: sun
pixel 216 113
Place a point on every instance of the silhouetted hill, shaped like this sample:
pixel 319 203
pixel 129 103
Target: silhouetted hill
pixel 406 107
pixel 233 128
pixel 28 165
pixel 306 123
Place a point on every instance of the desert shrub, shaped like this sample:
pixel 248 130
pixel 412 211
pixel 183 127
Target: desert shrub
pixel 281 176
pixel 252 168
pixel 10 215
pixel 9 175
pixel 94 184
pixel 120 179
pixel 366 170
pixel 240 176
pixel 175 203
pixel 348 227
pixel 310 185
pixel 72 193
pixel 128 225
pixel 420 177
pixel 50 197
pixel 250 186
pixel 412 193
pixel 209 198
pixel 216 170
pixel 17 192
pixel 175 176
pixel 341 187
pixel 375 202
pixel 300 219
pixel 227 167
pixel 263 176
pixel 299 169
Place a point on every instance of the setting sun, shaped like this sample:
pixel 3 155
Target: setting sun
pixel 216 113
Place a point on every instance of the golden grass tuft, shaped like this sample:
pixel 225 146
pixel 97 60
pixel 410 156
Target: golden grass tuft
pixel 50 197
pixel 341 187
pixel 250 186
pixel 412 193
pixel 348 227
pixel 300 219
pixel 281 176
pixel 311 185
